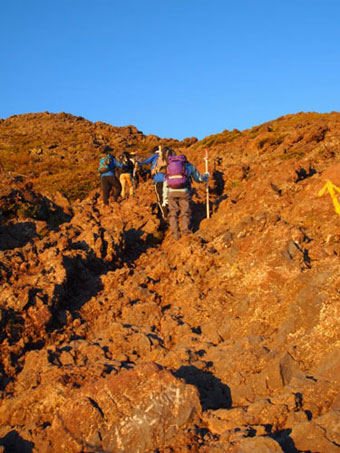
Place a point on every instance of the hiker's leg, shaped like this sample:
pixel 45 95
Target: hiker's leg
pixel 159 194
pixel 185 212
pixel 123 184
pixel 129 183
pixel 173 215
pixel 165 200
pixel 106 186
pixel 116 187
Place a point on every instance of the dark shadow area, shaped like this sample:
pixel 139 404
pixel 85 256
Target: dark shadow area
pixel 309 415
pixel 216 196
pixel 199 210
pixel 219 200
pixel 197 330
pixel 138 242
pixel 302 174
pixel 128 365
pixel 16 235
pixel 276 189
pixel 217 183
pixel 53 358
pixel 306 259
pixel 12 325
pixel 4 379
pixel 213 393
pixel 155 339
pixel 27 203
pixel 298 401
pixel 34 345
pixel 14 443
pixel 96 405
pixel 285 441
pixel 83 280
pixel 199 213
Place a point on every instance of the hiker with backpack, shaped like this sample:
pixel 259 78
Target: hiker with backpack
pixel 134 158
pixel 178 178
pixel 126 174
pixel 109 181
pixel 158 162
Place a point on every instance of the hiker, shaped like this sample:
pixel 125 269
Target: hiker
pixel 158 162
pixel 177 189
pixel 126 174
pixel 139 174
pixel 109 180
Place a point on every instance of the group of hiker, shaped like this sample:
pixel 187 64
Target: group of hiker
pixel 172 175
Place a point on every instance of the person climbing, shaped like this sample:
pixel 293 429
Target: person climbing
pixel 109 181
pixel 158 162
pixel 126 174
pixel 134 158
pixel 177 188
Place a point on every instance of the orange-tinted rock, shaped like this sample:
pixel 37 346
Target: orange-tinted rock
pixel 245 311
pixel 136 410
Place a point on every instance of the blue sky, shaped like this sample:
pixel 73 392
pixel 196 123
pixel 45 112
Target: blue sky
pixel 173 68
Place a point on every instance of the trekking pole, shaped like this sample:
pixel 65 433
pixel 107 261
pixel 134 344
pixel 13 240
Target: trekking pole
pixel 134 171
pixel 207 186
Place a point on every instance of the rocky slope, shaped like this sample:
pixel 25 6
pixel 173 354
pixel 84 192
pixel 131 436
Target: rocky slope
pixel 59 152
pixel 116 338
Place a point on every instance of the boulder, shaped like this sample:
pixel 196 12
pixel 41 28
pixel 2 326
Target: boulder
pixel 137 410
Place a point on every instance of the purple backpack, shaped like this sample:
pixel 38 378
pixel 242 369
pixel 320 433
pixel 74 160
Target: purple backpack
pixel 176 174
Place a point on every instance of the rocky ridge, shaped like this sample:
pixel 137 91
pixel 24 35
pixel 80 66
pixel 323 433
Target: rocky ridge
pixel 115 337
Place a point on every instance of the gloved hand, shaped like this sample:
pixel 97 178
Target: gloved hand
pixel 206 175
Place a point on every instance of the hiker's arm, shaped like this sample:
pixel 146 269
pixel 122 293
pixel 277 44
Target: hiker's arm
pixel 147 161
pixel 196 174
pixel 118 164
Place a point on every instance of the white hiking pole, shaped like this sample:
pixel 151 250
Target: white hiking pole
pixel 207 186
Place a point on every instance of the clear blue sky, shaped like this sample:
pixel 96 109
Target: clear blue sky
pixel 173 68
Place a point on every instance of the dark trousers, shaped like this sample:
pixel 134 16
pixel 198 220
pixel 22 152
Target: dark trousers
pixel 159 193
pixel 110 184
pixel 179 213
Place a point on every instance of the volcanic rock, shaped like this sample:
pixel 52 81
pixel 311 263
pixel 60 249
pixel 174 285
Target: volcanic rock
pixel 116 337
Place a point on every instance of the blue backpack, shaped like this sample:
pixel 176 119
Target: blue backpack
pixel 176 173
pixel 106 164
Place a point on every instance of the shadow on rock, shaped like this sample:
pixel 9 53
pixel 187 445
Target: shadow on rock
pixel 199 213
pixel 138 242
pixel 303 174
pixel 26 203
pixel 286 442
pixel 14 443
pixel 16 235
pixel 83 280
pixel 11 324
pixel 213 393
pixel 218 183
pixel 199 209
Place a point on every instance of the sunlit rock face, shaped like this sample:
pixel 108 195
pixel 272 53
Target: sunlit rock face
pixel 115 337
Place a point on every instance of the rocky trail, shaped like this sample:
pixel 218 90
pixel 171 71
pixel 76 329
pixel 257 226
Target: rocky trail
pixel 117 338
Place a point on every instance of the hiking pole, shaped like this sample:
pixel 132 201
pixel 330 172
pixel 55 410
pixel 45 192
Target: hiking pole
pixel 134 160
pixel 134 178
pixel 207 186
